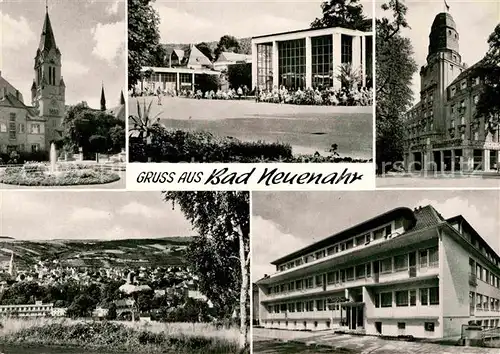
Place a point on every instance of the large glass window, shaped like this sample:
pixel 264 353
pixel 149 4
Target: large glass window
pixel 346 49
pixel 401 262
pixel 386 265
pixel 402 298
pixel 265 66
pixel 386 299
pixel 186 81
pixel 292 63
pixel 322 61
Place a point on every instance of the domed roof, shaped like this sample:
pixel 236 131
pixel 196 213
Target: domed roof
pixel 443 19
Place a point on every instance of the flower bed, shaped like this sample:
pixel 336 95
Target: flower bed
pixel 37 175
pixel 185 146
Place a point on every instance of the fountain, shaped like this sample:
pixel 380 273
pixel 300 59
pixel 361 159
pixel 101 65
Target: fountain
pixel 53 158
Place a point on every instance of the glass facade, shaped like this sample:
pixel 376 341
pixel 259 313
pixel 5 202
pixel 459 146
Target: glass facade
pixel 292 63
pixel 322 61
pixel 265 66
pixel 186 81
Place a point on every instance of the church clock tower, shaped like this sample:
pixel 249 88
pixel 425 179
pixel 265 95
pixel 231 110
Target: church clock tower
pixel 48 89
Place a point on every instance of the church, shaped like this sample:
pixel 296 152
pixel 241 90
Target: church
pixel 29 128
pixel 444 133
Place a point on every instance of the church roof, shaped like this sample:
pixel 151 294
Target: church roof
pixel 443 19
pixel 47 39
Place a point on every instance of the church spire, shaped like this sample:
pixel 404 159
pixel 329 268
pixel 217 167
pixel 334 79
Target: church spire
pixel 47 39
pixel 122 99
pixel 103 99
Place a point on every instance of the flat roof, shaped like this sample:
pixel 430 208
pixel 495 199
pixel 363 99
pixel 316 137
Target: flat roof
pixel 181 70
pixel 349 232
pixel 340 29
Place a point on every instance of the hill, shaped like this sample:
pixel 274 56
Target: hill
pixel 168 251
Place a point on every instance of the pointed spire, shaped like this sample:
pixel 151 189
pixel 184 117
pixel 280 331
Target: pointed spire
pixel 61 82
pixel 122 98
pixel 103 99
pixel 33 87
pixel 47 39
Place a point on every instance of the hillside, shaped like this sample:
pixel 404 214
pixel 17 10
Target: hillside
pixel 167 251
pixel 245 45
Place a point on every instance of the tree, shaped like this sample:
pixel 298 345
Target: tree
pixel 240 75
pixel 205 48
pixel 97 144
pixel 227 43
pixel 143 37
pixel 81 306
pixel 220 255
pixel 488 69
pixel 395 67
pixel 342 13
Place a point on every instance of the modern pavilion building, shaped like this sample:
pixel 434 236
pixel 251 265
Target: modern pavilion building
pixel 405 272
pixel 310 58
pixel 444 132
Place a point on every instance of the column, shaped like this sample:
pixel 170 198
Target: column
pixel 452 160
pixel 356 52
pixel 337 59
pixel 308 62
pixel 363 60
pixel 178 82
pixel 254 66
pixel 441 160
pixel 486 160
pixel 192 81
pixel 276 71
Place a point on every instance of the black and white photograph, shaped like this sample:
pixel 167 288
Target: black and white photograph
pixel 62 108
pixel 124 272
pixel 250 81
pixel 410 272
pixel 438 115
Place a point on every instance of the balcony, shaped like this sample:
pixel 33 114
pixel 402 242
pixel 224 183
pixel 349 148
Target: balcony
pixel 472 279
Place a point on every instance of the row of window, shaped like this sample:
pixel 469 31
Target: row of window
pixel 402 298
pixel 304 324
pixel 13 129
pixel 20 148
pixel 426 258
pixel 483 302
pixel 463 85
pixel 36 308
pixel 362 240
pixel 483 274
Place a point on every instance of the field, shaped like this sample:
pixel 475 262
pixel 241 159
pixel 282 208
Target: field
pixel 138 337
pixel 306 128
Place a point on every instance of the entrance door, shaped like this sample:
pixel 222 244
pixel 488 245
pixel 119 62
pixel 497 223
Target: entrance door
pixel 353 321
pixel 437 160
pixel 361 322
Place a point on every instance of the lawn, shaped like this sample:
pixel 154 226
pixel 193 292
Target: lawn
pixel 276 346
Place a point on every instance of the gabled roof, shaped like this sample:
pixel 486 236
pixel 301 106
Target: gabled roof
pixel 47 39
pixel 426 217
pixel 230 56
pixel 10 100
pixel 179 53
pixel 11 89
pixel 196 57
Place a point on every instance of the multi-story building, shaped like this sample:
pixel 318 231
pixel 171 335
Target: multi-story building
pixel 38 309
pixel 310 58
pixel 444 132
pixel 404 272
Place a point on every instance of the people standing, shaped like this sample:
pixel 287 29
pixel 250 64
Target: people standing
pixel 158 94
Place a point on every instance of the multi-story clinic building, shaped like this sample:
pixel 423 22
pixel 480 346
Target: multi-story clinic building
pixel 444 133
pixel 404 272
pixel 310 58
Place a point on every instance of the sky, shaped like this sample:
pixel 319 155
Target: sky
pixel 475 20
pixel 283 222
pixel 188 21
pixel 41 215
pixel 90 35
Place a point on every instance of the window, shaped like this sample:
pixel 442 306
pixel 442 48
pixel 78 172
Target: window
pixel 349 244
pixel 424 297
pixel 298 262
pixel 433 257
pixel 320 254
pixel 35 128
pixel 319 280
pixel 413 297
pixel 464 84
pixel 360 271
pixel 309 306
pixel 283 308
pixel 434 296
pixel 330 277
pixel 346 52
pixel 401 325
pixel 350 273
pixel 386 265
pixel 309 283
pixel 292 63
pixel 429 326
pixel 386 299
pixel 401 262
pixel 21 128
pixel 377 300
pixel 291 307
pixel 322 61
pixel 402 298
pixel 332 250
pixel 476 81
pixel 300 306
pixel 3 128
pixel 423 258
pixel 320 305
pixel 298 284
pixel 368 270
